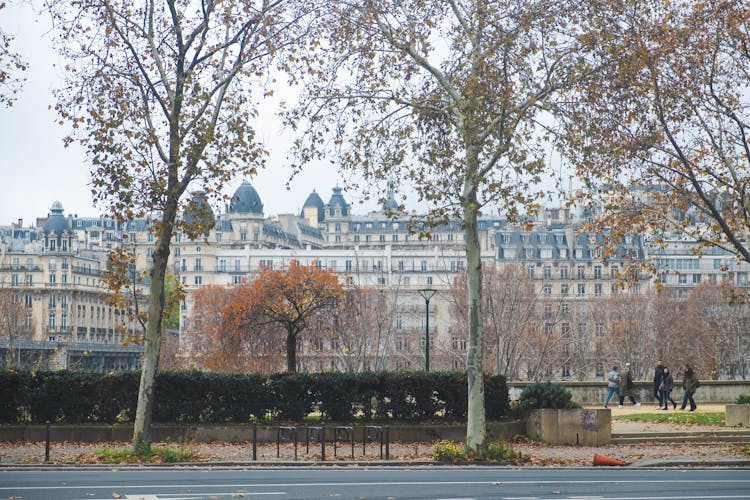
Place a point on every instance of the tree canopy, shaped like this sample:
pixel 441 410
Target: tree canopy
pixel 660 134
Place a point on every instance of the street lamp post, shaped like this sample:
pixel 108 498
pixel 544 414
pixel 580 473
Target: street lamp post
pixel 427 294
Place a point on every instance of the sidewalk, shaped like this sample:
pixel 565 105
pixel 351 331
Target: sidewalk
pixel 649 454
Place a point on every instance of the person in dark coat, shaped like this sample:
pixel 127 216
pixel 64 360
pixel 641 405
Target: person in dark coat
pixel 658 374
pixel 689 385
pixel 627 387
pixel 666 386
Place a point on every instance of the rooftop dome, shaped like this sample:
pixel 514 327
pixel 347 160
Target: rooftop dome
pixel 315 201
pixel 337 200
pixel 246 200
pixel 56 223
pixel 390 202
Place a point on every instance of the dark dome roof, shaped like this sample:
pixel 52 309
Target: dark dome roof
pixel 246 200
pixel 337 200
pixel 315 201
pixel 56 223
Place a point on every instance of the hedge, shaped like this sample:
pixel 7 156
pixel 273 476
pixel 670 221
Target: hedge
pixel 194 396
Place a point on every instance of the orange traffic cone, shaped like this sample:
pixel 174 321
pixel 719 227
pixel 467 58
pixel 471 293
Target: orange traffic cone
pixel 602 460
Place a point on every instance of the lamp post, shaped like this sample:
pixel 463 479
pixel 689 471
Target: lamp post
pixel 427 294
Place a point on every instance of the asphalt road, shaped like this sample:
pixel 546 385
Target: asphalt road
pixel 177 483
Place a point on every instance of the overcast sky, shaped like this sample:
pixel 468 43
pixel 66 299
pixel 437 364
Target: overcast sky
pixel 37 169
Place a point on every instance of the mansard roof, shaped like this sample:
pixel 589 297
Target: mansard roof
pixel 246 200
pixel 56 223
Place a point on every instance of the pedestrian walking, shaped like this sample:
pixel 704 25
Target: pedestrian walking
pixel 658 374
pixel 613 385
pixel 689 384
pixel 627 387
pixel 666 386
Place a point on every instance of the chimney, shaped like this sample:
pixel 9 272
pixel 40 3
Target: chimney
pixel 20 223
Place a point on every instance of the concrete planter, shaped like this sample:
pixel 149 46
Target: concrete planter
pixel 589 427
pixel 738 415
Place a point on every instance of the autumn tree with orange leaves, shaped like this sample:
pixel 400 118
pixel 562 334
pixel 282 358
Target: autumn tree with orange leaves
pixel 213 343
pixel 293 298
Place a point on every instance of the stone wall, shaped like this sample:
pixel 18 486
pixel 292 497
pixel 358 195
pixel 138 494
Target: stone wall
pixel 592 393
pixel 585 427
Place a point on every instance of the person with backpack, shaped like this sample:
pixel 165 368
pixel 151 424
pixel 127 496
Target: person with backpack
pixel 613 385
pixel 689 384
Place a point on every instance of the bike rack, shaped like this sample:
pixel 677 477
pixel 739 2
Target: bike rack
pixel 343 433
pixel 318 432
pixel 287 434
pixel 381 434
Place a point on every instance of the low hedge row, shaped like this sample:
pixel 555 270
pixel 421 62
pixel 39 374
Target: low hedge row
pixel 193 396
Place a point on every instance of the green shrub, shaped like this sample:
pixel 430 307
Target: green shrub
pixel 205 397
pixel 541 395
pixel 742 399
pixel 451 452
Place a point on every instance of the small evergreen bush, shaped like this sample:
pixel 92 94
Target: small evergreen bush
pixel 541 395
pixel 742 399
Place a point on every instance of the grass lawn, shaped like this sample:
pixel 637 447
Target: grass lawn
pixel 696 417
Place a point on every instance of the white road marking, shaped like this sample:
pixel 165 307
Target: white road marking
pixel 368 483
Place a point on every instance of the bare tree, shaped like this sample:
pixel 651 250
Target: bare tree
pixel 162 97
pixel 15 322
pixel 446 96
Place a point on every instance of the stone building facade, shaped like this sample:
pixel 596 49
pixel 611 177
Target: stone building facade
pixel 55 268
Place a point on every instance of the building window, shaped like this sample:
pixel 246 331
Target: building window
pixel 599 329
pixel 52 278
pixel 52 321
pixel 598 290
pixel 530 271
pixel 564 273
pixel 598 272
pixel 581 289
pixel 581 272
pixel 547 289
pixel 564 290
pixel 198 280
pixel 547 273
pixel 429 280
pixel 382 238
pixel 236 280
pixel 28 300
pixel 348 265
pixel 423 265
pixel 697 279
pixel 222 265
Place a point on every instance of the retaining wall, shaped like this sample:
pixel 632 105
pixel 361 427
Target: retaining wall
pixel 592 393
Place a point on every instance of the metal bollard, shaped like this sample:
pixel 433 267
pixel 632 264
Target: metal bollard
pixel 46 444
pixel 255 441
